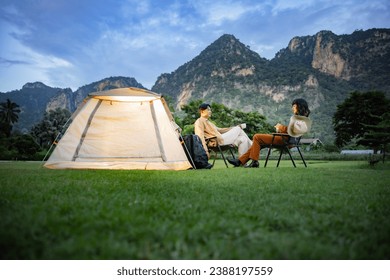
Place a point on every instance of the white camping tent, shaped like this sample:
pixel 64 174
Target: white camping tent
pixel 125 128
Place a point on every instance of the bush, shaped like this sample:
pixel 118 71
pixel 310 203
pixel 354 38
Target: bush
pixel 331 148
pixel 18 147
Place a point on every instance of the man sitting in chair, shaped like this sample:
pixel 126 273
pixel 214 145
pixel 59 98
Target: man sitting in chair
pixel 225 136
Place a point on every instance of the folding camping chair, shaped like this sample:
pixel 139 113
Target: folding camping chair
pixel 213 146
pixel 289 142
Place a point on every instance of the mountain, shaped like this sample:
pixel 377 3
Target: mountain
pixel 225 65
pixel 37 98
pixel 32 99
pixel 361 58
pixel 323 69
pixel 71 100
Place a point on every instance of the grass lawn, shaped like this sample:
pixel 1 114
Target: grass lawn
pixel 330 210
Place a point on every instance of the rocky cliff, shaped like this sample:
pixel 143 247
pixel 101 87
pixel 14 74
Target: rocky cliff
pixel 323 68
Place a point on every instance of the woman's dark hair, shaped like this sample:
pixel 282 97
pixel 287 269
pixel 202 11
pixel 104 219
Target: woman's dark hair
pixel 303 108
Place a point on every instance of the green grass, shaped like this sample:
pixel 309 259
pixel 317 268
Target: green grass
pixel 330 210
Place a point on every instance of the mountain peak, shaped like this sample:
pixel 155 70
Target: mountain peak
pixel 224 63
pixel 228 38
pixel 226 45
pixel 34 85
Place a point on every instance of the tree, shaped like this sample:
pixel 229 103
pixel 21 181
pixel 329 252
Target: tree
pixel 191 114
pixel 255 122
pixel 377 136
pixel 52 124
pixel 355 113
pixel 8 116
pixel 25 146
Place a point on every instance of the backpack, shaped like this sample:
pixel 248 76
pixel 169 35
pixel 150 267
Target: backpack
pixel 195 152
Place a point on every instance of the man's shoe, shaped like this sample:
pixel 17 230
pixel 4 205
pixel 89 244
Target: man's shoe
pixel 209 166
pixel 234 162
pixel 254 164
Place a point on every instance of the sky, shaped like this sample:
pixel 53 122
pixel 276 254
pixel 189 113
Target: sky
pixel 72 43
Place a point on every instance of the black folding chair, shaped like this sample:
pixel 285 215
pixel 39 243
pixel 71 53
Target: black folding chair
pixel 213 146
pixel 289 142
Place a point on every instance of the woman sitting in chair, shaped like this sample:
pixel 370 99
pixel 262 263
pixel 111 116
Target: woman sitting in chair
pixel 299 125
pixel 225 136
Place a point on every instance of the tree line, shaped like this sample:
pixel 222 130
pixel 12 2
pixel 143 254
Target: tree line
pixel 363 119
pixel 32 145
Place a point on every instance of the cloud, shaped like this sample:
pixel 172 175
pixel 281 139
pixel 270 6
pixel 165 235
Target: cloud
pixel 73 43
pixel 20 63
pixel 129 7
pixel 216 13
pixel 282 5
pixel 219 13
pixel 10 62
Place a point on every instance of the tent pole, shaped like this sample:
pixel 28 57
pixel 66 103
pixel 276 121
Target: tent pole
pixel 185 147
pixel 159 138
pixel 56 139
pixel 76 153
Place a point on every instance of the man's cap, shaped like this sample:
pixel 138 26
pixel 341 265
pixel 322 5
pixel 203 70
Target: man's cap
pixel 204 106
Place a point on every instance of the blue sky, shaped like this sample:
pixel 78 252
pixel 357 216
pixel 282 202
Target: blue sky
pixel 71 43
